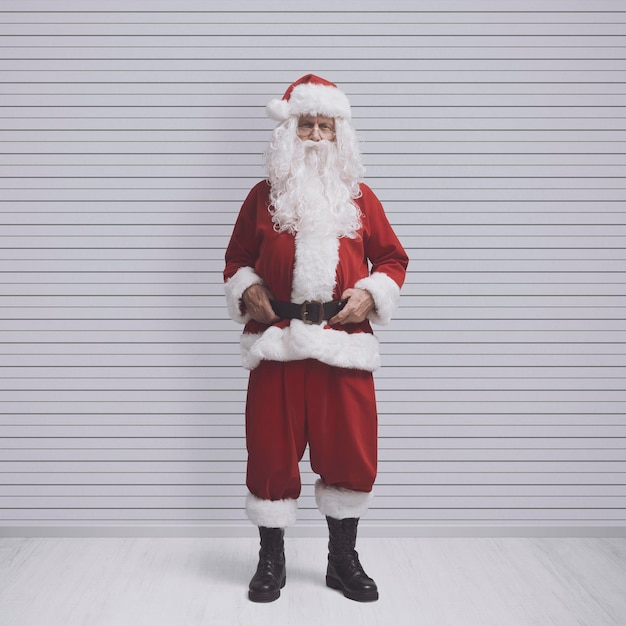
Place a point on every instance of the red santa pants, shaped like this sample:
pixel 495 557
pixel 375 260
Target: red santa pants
pixel 298 402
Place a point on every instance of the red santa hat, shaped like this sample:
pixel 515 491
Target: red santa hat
pixel 310 95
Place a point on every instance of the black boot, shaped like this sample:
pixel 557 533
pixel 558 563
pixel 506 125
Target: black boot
pixel 270 574
pixel 344 569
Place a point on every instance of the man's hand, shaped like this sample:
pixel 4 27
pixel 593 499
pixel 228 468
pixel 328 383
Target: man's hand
pixel 358 307
pixel 256 299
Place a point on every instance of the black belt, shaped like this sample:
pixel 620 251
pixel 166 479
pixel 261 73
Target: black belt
pixel 310 312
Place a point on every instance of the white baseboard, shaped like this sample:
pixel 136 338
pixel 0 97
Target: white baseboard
pixel 318 529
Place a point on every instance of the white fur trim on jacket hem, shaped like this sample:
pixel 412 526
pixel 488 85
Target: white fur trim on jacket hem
pixel 386 294
pixel 339 502
pixel 234 287
pixel 300 341
pixel 271 513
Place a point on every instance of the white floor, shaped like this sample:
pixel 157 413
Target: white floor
pixel 430 581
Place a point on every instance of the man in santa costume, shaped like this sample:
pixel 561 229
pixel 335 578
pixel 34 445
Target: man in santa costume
pixel 311 261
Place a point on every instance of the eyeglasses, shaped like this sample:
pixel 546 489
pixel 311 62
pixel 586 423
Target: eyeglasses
pixel 306 129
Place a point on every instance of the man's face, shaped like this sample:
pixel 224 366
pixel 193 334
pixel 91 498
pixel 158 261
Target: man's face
pixel 316 128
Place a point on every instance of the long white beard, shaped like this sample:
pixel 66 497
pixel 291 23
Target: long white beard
pixel 311 195
pixel 310 199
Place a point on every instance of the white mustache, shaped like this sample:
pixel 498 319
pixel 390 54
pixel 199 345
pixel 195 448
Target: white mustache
pixel 309 144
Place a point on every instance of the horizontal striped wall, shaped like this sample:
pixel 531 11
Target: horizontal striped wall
pixel 493 133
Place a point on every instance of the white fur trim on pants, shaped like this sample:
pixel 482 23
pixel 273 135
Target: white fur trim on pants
pixel 339 502
pixel 271 513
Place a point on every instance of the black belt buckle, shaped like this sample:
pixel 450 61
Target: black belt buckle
pixel 305 314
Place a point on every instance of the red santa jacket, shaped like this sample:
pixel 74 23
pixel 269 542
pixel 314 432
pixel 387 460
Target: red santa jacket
pixel 313 267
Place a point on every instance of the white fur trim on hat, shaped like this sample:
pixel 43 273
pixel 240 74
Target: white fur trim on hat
pixel 339 502
pixel 271 513
pixel 278 109
pixel 234 287
pixel 386 294
pixel 311 99
pixel 300 341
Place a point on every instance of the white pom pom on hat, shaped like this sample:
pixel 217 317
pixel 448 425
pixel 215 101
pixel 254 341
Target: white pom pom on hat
pixel 310 95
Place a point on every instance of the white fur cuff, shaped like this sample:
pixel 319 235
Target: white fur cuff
pixel 271 513
pixel 234 287
pixel 386 294
pixel 341 503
